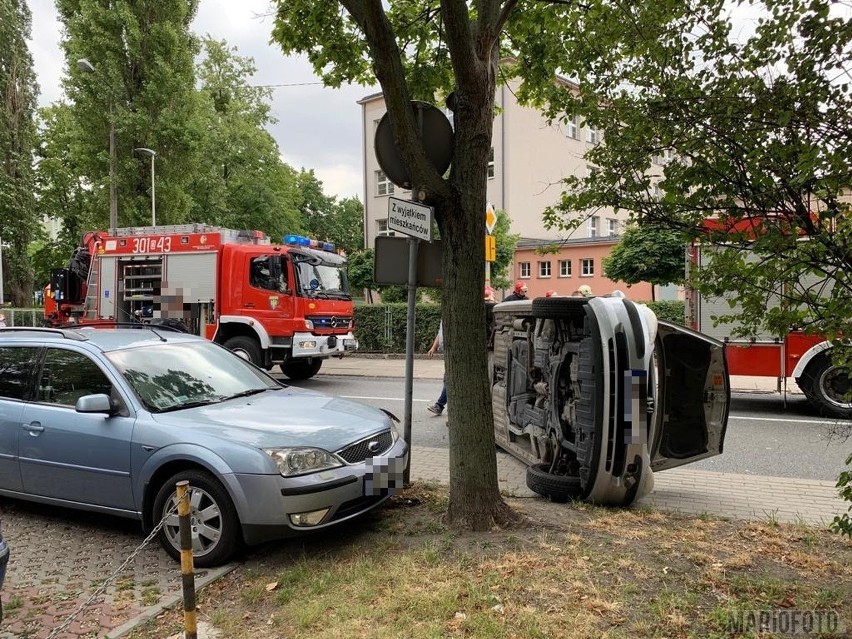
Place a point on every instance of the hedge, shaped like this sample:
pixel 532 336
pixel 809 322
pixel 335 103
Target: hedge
pixel 669 310
pixel 380 328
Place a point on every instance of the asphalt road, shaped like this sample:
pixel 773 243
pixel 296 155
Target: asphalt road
pixel 764 436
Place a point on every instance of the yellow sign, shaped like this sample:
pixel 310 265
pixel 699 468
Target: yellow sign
pixel 490 218
pixel 490 248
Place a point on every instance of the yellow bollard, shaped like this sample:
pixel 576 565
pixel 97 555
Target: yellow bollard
pixel 190 626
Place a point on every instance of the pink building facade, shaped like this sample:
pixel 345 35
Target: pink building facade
pixel 565 266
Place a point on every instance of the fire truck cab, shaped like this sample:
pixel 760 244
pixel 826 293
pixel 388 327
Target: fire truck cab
pixel 286 304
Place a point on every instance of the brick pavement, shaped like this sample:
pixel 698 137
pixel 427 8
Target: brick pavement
pixel 59 558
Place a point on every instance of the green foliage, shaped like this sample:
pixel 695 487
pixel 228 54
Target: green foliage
pixel 142 87
pixel 240 181
pixel 842 524
pixel 359 268
pixel 18 91
pixel 326 218
pixel 701 119
pixel 669 310
pixel 506 243
pixel 381 328
pixel 647 253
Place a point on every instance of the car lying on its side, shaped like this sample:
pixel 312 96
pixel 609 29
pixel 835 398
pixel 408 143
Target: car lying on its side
pixel 109 420
pixel 594 394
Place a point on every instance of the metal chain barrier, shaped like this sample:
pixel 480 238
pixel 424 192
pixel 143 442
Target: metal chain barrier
pixel 64 626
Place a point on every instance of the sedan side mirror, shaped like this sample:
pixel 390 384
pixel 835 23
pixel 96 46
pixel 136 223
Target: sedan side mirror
pixel 98 403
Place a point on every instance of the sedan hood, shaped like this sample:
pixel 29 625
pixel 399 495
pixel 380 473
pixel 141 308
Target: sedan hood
pixel 286 417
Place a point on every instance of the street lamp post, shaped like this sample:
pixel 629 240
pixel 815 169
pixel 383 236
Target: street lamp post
pixel 84 65
pixel 153 154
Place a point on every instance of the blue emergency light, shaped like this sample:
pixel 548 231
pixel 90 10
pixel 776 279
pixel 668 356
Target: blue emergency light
pixel 301 240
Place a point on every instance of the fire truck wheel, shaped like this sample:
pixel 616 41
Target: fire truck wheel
pixel 301 368
pixel 827 387
pixel 245 347
pixel 559 488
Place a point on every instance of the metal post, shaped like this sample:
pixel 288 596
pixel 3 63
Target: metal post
pixel 413 245
pixel 153 193
pixel 190 625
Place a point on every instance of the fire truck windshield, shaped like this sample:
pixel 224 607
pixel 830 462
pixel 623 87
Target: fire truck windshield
pixel 320 279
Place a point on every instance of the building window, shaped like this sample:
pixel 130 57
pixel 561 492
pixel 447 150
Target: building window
pixel 544 269
pixel 524 269
pixel 613 227
pixel 572 128
pixel 382 228
pixel 491 163
pixel 594 226
pixel 591 135
pixel 587 265
pixel 663 157
pixel 564 268
pixel 383 185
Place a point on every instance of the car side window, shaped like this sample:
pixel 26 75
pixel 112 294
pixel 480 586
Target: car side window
pixel 67 376
pixel 17 364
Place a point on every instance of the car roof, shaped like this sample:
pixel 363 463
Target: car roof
pixel 104 339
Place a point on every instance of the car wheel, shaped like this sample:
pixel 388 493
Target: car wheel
pixel 827 386
pixel 247 348
pixel 215 527
pixel 301 368
pixel 558 307
pixel 558 488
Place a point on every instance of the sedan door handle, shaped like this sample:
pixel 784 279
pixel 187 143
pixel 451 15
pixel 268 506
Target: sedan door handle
pixel 34 428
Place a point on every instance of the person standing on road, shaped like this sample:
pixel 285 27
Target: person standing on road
pixel 519 293
pixel 438 345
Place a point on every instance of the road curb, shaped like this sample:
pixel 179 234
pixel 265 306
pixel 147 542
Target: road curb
pixel 209 576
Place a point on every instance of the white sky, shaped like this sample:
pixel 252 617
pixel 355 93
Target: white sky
pixel 317 128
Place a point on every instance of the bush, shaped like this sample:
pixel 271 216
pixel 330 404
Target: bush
pixel 669 311
pixel 380 328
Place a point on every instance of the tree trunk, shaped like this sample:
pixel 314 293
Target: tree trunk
pixel 475 502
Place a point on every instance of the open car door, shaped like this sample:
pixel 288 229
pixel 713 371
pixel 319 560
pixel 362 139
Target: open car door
pixel 692 397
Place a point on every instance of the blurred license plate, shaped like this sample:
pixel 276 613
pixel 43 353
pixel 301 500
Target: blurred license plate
pixel 384 476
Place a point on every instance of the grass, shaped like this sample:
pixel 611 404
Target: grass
pixel 571 571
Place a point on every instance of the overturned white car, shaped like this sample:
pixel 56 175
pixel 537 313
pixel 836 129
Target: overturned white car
pixel 594 394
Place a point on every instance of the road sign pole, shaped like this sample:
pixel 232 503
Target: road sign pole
pixel 413 245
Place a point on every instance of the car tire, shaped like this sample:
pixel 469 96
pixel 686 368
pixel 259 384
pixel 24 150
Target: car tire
pixel 826 386
pixel 558 488
pixel 247 348
pixel 207 496
pixel 301 369
pixel 558 307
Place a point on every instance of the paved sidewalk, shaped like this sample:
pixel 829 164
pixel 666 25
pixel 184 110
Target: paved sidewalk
pixel 369 365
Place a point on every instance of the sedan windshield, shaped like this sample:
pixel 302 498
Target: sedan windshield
pixel 172 376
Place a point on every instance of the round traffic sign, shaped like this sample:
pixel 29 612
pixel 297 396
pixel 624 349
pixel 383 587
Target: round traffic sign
pixel 436 133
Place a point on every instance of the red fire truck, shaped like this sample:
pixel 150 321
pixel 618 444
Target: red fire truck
pixel 287 304
pixel 805 358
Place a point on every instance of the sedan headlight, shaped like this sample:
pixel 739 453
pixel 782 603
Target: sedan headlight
pixel 300 461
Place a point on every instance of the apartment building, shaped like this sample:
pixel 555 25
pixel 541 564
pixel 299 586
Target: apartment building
pixel 529 160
